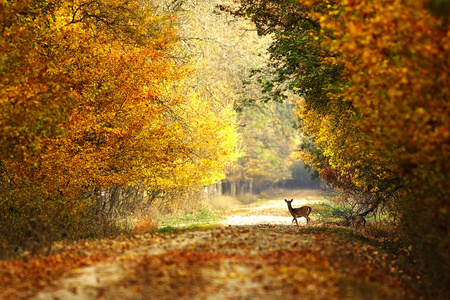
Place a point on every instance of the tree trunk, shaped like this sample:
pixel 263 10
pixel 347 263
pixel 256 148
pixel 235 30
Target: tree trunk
pixel 219 188
pixel 233 188
pixel 242 184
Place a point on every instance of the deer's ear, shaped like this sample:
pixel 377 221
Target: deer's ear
pixel 292 199
pixel 285 200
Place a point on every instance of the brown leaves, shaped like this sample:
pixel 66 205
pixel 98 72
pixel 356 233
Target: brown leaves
pixel 22 278
pixel 238 261
pixel 319 271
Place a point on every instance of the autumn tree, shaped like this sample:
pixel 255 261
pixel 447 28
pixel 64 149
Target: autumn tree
pixel 269 139
pixel 74 94
pixel 398 82
pixel 373 76
pixel 93 95
pixel 224 49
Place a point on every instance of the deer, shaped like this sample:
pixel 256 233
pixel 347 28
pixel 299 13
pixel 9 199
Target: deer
pixel 303 211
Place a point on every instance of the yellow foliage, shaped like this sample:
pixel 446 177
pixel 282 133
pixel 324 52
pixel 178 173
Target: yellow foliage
pixel 92 95
pixel 397 68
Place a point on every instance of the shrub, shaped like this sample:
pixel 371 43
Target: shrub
pixel 145 226
pixel 222 202
pixel 247 198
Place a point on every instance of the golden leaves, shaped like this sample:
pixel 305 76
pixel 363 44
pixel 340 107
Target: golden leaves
pixel 393 54
pixel 117 90
pixel 92 96
pixel 260 261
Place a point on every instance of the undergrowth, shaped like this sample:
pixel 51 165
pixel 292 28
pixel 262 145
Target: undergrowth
pixel 201 216
pixel 193 227
pixel 379 231
pixel 348 233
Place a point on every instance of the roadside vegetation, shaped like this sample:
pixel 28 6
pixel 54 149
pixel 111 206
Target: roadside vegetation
pixel 371 84
pixel 122 118
pixel 331 260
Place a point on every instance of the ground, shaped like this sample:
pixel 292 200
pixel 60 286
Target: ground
pixel 256 253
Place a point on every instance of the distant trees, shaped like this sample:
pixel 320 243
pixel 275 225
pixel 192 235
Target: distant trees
pixel 270 138
pixel 225 50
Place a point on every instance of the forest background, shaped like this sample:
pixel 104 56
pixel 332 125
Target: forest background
pixel 111 108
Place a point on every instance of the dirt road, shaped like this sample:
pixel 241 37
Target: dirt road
pixel 255 254
pixel 273 212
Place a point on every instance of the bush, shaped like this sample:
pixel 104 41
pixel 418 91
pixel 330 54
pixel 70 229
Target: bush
pixel 31 220
pixel 37 225
pixel 247 198
pixel 145 226
pixel 333 212
pixel 222 202
pixel 425 227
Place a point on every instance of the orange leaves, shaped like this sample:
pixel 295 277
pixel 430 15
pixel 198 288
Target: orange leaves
pixel 22 278
pixel 393 54
pixel 129 122
pixel 405 46
pixel 88 99
pixel 306 3
pixel 145 226
pixel 97 89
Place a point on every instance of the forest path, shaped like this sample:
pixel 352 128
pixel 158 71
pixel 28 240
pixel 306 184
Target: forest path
pixel 274 212
pixel 255 254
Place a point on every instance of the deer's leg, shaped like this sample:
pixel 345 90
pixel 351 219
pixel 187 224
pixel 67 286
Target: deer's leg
pixel 307 220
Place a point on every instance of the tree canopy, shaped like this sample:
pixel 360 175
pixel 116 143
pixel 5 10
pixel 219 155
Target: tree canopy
pixel 374 88
pixel 95 94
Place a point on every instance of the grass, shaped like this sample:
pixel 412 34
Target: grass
pixel 331 212
pixel 199 220
pixel 202 216
pixel 222 203
pixel 349 233
pixel 193 227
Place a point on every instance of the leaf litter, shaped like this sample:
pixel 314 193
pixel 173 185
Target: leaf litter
pixel 259 261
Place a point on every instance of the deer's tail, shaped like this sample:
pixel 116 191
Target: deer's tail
pixel 308 210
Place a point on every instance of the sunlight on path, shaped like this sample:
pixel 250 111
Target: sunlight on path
pixel 255 220
pixel 229 279
pixel 273 212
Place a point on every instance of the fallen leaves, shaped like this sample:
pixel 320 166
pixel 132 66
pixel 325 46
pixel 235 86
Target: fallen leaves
pixel 261 261
pixel 271 265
